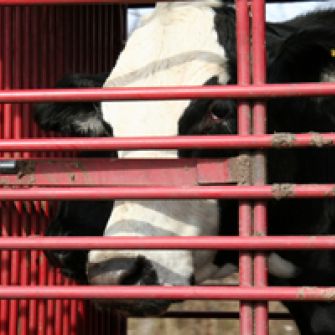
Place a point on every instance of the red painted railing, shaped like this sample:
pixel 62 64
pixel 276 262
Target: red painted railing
pixel 168 93
pixel 279 140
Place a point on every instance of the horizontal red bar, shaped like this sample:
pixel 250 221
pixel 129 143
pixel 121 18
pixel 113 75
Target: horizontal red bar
pixel 176 242
pixel 116 172
pixel 167 93
pixel 196 192
pixel 177 292
pixel 279 140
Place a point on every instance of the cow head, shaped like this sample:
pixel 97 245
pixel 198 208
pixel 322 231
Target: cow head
pixel 178 44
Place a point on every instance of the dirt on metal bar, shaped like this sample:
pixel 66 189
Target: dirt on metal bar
pixel 241 169
pixel 328 295
pixel 25 168
pixel 319 141
pixel 283 140
pixel 282 191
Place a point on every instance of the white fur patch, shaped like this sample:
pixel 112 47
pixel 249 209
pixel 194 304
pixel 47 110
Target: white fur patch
pixel 212 271
pixel 176 45
pixel 281 267
pixel 91 125
pixel 328 75
pixel 182 218
pixel 277 266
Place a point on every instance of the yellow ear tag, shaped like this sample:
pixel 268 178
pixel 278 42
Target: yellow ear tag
pixel 332 53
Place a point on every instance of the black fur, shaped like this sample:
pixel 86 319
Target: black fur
pixel 76 218
pixel 225 26
pixel 301 54
pixel 74 118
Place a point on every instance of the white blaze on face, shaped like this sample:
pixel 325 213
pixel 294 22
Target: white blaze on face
pixel 176 45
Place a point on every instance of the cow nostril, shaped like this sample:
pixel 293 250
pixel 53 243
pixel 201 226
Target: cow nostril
pixel 134 273
pixel 123 271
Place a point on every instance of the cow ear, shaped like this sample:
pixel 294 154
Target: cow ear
pixel 74 118
pixel 303 56
pixel 80 80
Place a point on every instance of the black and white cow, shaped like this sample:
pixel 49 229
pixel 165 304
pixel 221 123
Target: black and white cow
pixel 194 44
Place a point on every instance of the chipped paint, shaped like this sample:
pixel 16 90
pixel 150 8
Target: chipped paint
pixel 281 191
pixel 3 181
pixel 31 180
pixel 257 233
pixel 330 193
pixel 72 177
pixel 241 169
pixel 25 168
pixel 317 140
pixel 283 140
pixel 303 291
pixel 306 292
pixel 329 294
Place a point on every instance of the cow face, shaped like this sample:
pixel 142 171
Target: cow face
pixel 176 45
pixel 179 44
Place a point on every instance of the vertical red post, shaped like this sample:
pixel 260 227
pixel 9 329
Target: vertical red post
pixel 259 163
pixel 26 127
pixel 16 208
pixel 6 31
pixel 243 109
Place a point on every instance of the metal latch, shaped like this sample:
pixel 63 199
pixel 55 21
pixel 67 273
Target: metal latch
pixel 8 167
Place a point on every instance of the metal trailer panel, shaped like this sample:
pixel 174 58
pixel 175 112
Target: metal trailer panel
pixel 38 46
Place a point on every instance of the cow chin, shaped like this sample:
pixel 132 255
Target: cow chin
pixel 137 307
pixel 152 267
pixel 135 270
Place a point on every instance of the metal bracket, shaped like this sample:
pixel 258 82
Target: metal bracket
pixel 125 172
pixel 8 167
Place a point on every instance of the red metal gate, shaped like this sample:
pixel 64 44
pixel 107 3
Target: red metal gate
pixel 38 45
pixel 24 69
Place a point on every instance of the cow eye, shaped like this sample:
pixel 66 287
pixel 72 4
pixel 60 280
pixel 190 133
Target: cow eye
pixel 220 110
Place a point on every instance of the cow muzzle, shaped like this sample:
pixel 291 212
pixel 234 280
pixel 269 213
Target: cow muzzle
pixel 122 271
pixel 127 271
